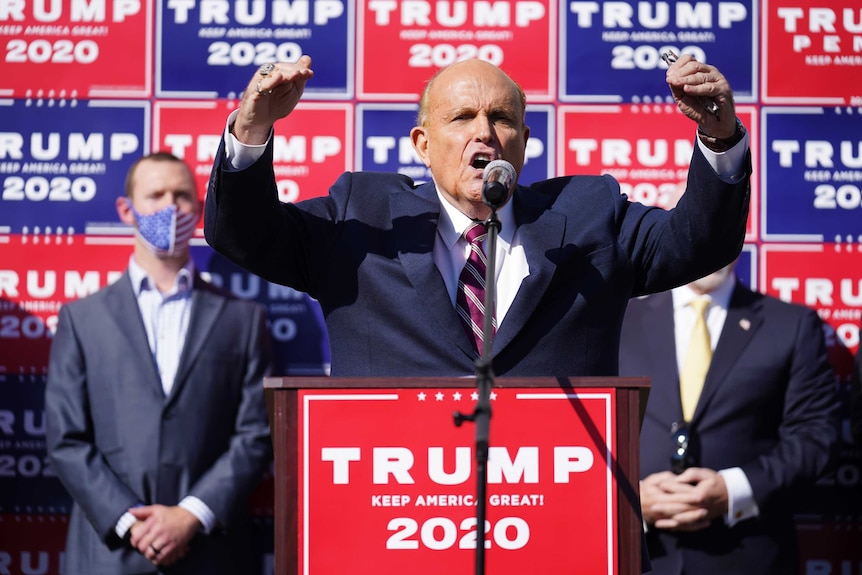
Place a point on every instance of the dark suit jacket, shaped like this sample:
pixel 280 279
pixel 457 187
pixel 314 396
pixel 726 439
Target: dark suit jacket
pixel 115 440
pixel 856 399
pixel 365 252
pixel 768 406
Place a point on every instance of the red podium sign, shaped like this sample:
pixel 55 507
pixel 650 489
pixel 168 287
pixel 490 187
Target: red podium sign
pixel 381 480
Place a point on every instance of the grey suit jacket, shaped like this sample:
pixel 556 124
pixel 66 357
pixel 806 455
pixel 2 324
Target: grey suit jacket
pixel 116 441
pixel 768 405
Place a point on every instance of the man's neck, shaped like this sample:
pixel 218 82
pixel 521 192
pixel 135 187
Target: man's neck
pixel 162 271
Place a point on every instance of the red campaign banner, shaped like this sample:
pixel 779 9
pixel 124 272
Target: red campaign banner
pixel 812 52
pixel 615 140
pixel 32 544
pixel 402 44
pixel 825 277
pixel 312 146
pixel 77 49
pixel 192 131
pixel 392 480
pixel 830 548
pixel 37 276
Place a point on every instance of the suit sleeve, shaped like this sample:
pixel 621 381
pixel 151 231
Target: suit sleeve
pixel 704 232
pixel 233 477
pixel 70 440
pixel 280 242
pixel 807 442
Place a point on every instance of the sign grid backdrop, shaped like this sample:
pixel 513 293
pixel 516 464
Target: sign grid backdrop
pixel 87 86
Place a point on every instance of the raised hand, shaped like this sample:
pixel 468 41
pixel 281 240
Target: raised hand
pixel 272 93
pixel 692 83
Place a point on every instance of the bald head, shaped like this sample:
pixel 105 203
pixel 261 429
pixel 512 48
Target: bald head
pixel 440 82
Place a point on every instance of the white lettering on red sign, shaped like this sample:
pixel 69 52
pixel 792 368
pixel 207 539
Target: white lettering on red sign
pixel 42 284
pixel 396 464
pixel 297 148
pixel 456 14
pixel 79 10
pixel 620 152
pixel 820 291
pixel 823 21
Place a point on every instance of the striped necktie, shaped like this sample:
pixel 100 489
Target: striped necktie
pixel 696 361
pixel 470 299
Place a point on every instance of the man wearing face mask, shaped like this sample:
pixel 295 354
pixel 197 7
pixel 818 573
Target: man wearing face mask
pixel 155 415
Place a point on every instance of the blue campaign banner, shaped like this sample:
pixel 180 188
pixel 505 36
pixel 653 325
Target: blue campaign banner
pixel 540 158
pixel 211 49
pixel 63 163
pixel 299 338
pixel 811 174
pixel 611 51
pixel 383 142
pixel 28 483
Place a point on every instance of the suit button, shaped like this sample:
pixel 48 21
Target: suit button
pixel 167 414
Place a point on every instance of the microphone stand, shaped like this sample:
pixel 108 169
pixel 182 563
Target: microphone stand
pixel 481 415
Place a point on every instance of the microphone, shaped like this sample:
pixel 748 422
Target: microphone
pixel 498 180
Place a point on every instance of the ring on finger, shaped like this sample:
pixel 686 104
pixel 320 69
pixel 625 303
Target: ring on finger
pixel 266 69
pixel 155 549
pixel 262 92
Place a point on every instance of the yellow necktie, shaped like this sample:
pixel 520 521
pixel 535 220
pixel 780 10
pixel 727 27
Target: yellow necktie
pixel 696 361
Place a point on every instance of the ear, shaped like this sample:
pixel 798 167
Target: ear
pixel 124 210
pixel 419 138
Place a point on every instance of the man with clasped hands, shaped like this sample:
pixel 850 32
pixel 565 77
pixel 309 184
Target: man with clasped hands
pixel 382 254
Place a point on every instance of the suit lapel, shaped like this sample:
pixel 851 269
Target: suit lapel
pixel 415 216
pixel 743 320
pixel 206 307
pixel 656 321
pixel 123 308
pixel 539 234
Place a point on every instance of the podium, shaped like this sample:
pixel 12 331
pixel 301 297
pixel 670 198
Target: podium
pixel 373 476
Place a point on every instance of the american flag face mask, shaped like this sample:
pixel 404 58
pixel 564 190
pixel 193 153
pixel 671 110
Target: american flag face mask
pixel 167 231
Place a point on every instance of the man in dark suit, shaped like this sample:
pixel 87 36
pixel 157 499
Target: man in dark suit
pixel 383 255
pixel 762 427
pixel 155 415
pixel 856 399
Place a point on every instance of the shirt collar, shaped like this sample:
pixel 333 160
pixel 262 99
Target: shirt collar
pixel 141 281
pixel 453 223
pixel 720 296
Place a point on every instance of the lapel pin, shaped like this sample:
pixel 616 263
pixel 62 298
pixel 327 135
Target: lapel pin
pixel 745 324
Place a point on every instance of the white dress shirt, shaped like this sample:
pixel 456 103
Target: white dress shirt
pixel 166 320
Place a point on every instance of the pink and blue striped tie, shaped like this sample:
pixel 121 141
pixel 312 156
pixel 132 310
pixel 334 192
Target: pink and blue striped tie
pixel 470 299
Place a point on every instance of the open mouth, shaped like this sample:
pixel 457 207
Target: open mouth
pixel 480 161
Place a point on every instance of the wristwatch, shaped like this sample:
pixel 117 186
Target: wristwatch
pixel 722 144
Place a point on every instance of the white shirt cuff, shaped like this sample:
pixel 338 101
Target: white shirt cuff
pixel 728 165
pixel 740 498
pixel 200 510
pixel 124 524
pixel 239 155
